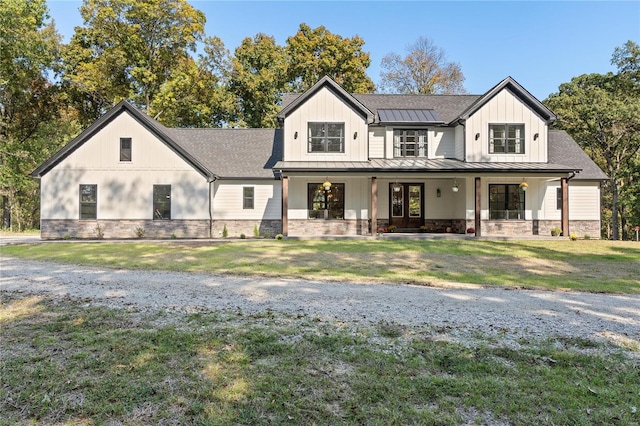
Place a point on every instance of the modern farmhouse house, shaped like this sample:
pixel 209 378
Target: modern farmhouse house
pixel 341 164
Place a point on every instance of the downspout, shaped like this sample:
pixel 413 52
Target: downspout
pixel 211 182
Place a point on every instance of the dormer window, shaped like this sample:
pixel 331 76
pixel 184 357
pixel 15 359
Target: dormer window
pixel 506 138
pixel 409 143
pixel 326 137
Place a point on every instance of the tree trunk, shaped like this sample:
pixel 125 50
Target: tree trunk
pixel 615 235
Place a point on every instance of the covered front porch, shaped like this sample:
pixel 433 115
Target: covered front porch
pixel 445 203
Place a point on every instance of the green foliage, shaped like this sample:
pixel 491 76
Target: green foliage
pixel 315 53
pixel 258 79
pixel 139 231
pixel 602 113
pixel 423 70
pixel 279 236
pixel 573 237
pixel 225 231
pixel 256 231
pixel 129 49
pixel 33 122
pixel 99 232
pixel 555 231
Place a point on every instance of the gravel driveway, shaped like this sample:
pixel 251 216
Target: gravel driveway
pixel 464 309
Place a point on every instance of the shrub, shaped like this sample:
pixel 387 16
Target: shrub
pixel 139 231
pixel 173 236
pixel 279 237
pixel 573 237
pixel 256 231
pixel 555 231
pixel 99 232
pixel 66 237
pixel 225 231
pixel 392 228
pixel 587 237
pixel 243 237
pixel 471 230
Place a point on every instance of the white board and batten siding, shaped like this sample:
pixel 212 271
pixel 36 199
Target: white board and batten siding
pixel 584 201
pixel 125 188
pixel 324 106
pixel 228 201
pixel 505 108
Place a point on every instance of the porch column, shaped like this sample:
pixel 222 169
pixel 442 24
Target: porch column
pixel 374 205
pixel 478 196
pixel 285 205
pixel 564 185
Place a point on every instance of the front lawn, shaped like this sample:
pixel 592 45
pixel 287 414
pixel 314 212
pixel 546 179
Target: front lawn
pixel 584 265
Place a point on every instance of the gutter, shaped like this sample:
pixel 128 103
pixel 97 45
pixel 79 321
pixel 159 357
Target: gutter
pixel 211 181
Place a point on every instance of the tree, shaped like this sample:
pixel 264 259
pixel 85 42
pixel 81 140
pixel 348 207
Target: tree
pixel 423 70
pixel 129 49
pixel 258 79
pixel 603 115
pixel 314 53
pixel 29 105
pixel 196 95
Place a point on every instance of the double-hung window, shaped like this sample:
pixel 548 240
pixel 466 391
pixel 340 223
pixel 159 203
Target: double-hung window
pixel 325 204
pixel 506 138
pixel 506 202
pixel 161 202
pixel 326 137
pixel 248 193
pixel 409 143
pixel 125 149
pixel 88 201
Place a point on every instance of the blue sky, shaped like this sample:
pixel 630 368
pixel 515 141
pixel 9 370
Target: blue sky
pixel 541 44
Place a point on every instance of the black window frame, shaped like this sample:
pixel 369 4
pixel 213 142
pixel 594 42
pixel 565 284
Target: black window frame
pixel 319 201
pixel 507 141
pixel 88 207
pixel 325 140
pixel 402 143
pixel 559 198
pixel 161 207
pixel 126 151
pixel 248 201
pixel 507 201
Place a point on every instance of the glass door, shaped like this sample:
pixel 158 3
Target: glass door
pixel 406 205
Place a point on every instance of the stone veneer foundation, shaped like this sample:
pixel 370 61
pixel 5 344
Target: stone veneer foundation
pixel 298 228
pixel 51 229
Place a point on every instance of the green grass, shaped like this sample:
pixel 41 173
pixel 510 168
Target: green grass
pixel 64 362
pixel 585 265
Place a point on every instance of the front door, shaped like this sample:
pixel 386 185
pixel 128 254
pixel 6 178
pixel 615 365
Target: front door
pixel 406 205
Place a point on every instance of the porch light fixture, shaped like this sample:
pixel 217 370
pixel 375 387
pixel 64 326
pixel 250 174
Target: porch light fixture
pixel 455 186
pixel 295 135
pixel 438 193
pixel 524 185
pixel 477 136
pixel 396 187
pixel 535 137
pixel 327 186
pixel 355 135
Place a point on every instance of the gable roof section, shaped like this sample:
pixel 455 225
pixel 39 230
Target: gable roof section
pixel 336 89
pixel 518 91
pixel 160 131
pixel 563 149
pixel 233 153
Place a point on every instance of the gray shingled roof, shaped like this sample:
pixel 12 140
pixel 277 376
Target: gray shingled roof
pixel 563 149
pixel 233 153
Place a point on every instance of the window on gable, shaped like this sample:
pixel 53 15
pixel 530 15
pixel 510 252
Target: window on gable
pixel 321 201
pixel 247 197
pixel 409 143
pixel 161 202
pixel 88 201
pixel 506 202
pixel 506 138
pixel 326 137
pixel 125 149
